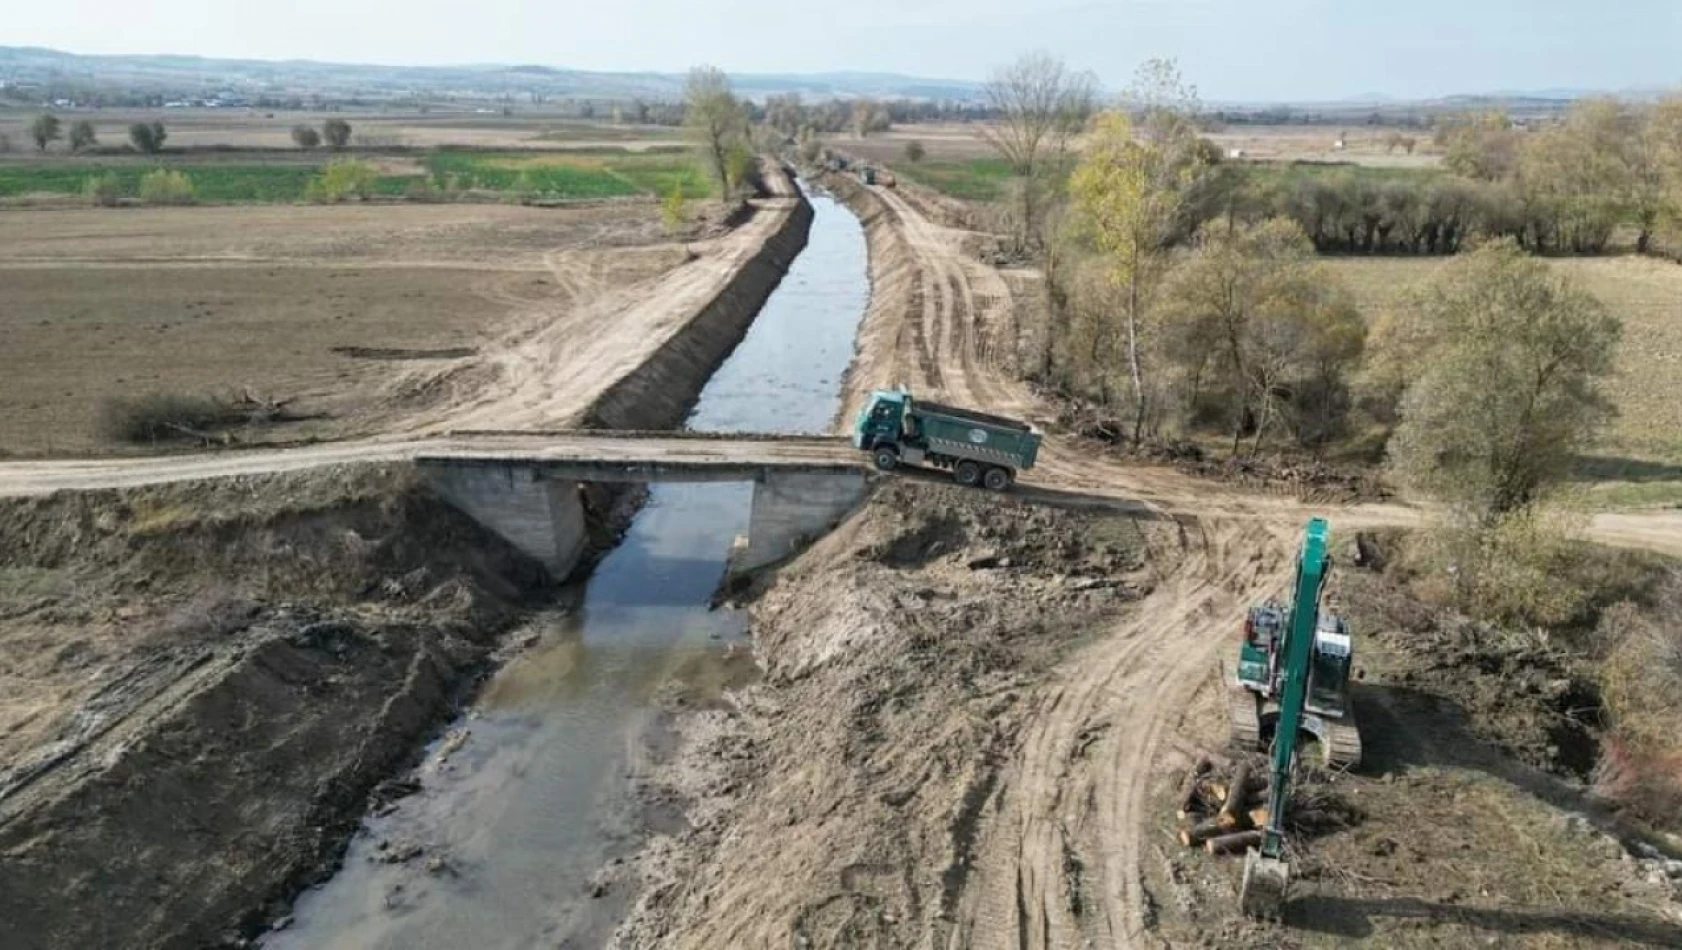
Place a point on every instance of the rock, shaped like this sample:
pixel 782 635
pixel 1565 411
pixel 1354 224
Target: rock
pixel 282 922
pixel 984 562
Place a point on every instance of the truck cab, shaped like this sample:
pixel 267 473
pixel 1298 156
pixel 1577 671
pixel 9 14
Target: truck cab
pixel 881 420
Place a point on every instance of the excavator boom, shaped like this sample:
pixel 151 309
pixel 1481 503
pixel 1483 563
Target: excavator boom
pixel 1266 873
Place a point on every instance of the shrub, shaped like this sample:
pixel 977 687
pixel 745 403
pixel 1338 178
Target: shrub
pixel 305 137
pixel 1520 570
pixel 103 190
pixel 82 135
pixel 342 179
pixel 914 151
pixel 671 208
pixel 157 417
pixel 422 191
pixel 164 187
pixel 336 132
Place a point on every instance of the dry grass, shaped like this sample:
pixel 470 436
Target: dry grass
pixel 1640 459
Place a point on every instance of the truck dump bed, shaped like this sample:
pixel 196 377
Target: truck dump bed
pixel 967 434
pixel 970 415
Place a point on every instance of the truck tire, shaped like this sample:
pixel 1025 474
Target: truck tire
pixel 967 473
pixel 886 458
pixel 996 479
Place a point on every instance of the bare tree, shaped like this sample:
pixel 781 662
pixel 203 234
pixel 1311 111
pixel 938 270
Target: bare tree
pixel 1042 105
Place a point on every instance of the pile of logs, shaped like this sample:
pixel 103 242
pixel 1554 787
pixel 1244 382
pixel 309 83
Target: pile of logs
pixel 1224 815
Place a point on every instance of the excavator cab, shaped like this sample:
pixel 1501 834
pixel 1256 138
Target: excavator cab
pixel 1328 670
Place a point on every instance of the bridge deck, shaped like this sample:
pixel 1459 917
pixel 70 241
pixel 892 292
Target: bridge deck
pixel 621 456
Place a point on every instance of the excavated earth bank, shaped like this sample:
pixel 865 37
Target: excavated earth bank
pixel 897 655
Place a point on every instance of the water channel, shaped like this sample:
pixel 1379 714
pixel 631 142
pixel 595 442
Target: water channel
pixel 511 827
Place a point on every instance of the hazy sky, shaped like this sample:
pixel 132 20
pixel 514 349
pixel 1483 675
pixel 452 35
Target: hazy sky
pixel 1232 49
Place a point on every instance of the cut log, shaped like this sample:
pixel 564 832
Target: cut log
pixel 1233 843
pixel 1196 834
pixel 1232 810
pixel 1187 797
pixel 1258 817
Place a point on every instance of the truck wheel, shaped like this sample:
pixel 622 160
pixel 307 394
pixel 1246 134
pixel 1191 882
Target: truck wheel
pixel 967 473
pixel 886 459
pixel 996 479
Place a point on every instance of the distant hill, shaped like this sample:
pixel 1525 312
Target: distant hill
pixel 71 74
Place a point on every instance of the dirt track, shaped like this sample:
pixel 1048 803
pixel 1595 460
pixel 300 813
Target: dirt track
pixel 1056 855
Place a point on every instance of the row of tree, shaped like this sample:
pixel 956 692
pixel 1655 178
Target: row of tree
pixel 1568 185
pixel 47 128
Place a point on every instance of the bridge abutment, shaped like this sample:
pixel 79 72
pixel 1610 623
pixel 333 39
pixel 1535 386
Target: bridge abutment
pixel 790 509
pixel 542 517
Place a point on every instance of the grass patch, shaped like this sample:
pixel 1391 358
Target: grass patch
pixel 978 179
pixel 586 173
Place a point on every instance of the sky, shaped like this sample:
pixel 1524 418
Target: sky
pixel 1232 50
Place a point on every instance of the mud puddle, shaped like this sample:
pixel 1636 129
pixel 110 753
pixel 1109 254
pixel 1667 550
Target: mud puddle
pixel 527 797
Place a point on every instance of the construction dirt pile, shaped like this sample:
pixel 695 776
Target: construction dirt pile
pixel 835 802
pixel 200 686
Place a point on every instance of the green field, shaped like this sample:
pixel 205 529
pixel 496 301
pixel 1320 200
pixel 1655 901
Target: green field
pixel 603 173
pixel 595 173
pixel 978 179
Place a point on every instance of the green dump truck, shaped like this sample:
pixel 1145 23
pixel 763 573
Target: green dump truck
pixel 977 448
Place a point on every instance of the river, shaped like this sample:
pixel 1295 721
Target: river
pixel 498 848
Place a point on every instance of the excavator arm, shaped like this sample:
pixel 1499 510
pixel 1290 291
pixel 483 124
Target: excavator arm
pixel 1266 872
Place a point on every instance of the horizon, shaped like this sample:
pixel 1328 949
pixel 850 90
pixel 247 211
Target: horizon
pixel 1282 52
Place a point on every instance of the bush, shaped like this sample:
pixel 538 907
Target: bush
pixel 158 417
pixel 305 137
pixel 164 187
pixel 422 191
pixel 336 132
pixel 914 151
pixel 342 179
pixel 82 135
pixel 103 190
pixel 671 208
pixel 1521 570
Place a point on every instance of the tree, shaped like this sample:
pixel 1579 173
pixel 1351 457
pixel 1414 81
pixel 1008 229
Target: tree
pixel 1506 386
pixel 44 130
pixel 82 135
pixel 1252 301
pixel 1041 106
pixel 868 117
pixel 1127 192
pixel 715 122
pixel 305 137
pixel 1588 173
pixel 1482 145
pixel 147 137
pixel 914 151
pixel 336 133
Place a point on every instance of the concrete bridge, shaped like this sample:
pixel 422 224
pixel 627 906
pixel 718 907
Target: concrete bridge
pixel 525 486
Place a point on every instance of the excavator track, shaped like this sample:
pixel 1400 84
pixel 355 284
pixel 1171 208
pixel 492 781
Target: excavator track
pixel 1244 716
pixel 1340 743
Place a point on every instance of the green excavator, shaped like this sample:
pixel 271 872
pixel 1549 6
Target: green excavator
pixel 1293 670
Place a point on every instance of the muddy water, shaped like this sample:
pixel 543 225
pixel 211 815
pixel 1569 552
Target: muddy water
pixel 526 798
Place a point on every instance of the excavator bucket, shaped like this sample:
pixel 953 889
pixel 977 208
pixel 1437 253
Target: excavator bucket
pixel 1262 895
